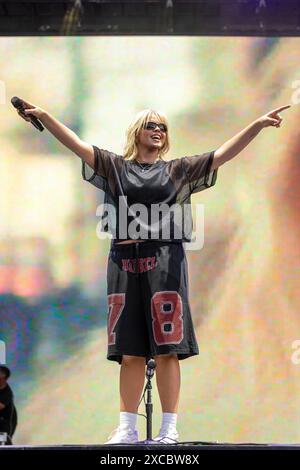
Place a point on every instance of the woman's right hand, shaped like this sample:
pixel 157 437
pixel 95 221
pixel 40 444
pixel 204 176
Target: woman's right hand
pixel 30 109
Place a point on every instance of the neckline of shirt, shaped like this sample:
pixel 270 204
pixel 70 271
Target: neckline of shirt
pixel 145 163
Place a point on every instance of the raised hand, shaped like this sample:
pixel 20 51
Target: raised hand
pixel 30 109
pixel 273 118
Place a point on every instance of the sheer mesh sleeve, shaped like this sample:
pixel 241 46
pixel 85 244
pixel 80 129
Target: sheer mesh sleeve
pixel 103 159
pixel 102 177
pixel 197 170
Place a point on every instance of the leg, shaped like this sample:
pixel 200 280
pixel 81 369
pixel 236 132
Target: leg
pixel 168 381
pixel 132 378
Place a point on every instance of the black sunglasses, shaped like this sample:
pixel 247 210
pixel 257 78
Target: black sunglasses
pixel 152 125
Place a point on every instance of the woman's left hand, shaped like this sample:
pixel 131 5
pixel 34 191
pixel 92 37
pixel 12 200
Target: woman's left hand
pixel 272 118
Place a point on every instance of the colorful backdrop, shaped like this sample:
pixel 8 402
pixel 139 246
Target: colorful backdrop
pixel 244 284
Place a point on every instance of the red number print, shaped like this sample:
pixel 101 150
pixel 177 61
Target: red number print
pixel 116 303
pixel 166 309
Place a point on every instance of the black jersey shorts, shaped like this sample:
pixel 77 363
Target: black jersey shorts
pixel 148 306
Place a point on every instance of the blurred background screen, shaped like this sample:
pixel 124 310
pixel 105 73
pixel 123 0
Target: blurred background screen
pixel 244 282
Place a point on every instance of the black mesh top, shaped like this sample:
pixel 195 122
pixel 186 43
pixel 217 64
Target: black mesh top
pixel 148 201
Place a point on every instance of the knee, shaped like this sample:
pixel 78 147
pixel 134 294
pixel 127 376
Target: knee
pixel 132 360
pixel 165 357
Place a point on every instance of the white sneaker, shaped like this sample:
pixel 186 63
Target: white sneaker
pixel 122 435
pixel 167 437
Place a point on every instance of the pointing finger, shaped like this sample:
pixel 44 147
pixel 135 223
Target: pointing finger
pixel 277 110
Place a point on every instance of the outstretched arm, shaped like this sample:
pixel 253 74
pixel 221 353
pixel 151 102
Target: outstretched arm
pixel 62 133
pixel 237 143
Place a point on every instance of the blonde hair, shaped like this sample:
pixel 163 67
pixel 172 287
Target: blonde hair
pixel 142 118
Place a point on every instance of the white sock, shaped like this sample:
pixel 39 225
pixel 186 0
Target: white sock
pixel 128 419
pixel 169 421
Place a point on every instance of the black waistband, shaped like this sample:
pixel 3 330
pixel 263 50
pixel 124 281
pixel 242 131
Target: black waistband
pixel 136 246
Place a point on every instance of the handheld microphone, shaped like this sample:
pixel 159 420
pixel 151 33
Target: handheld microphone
pixel 18 104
